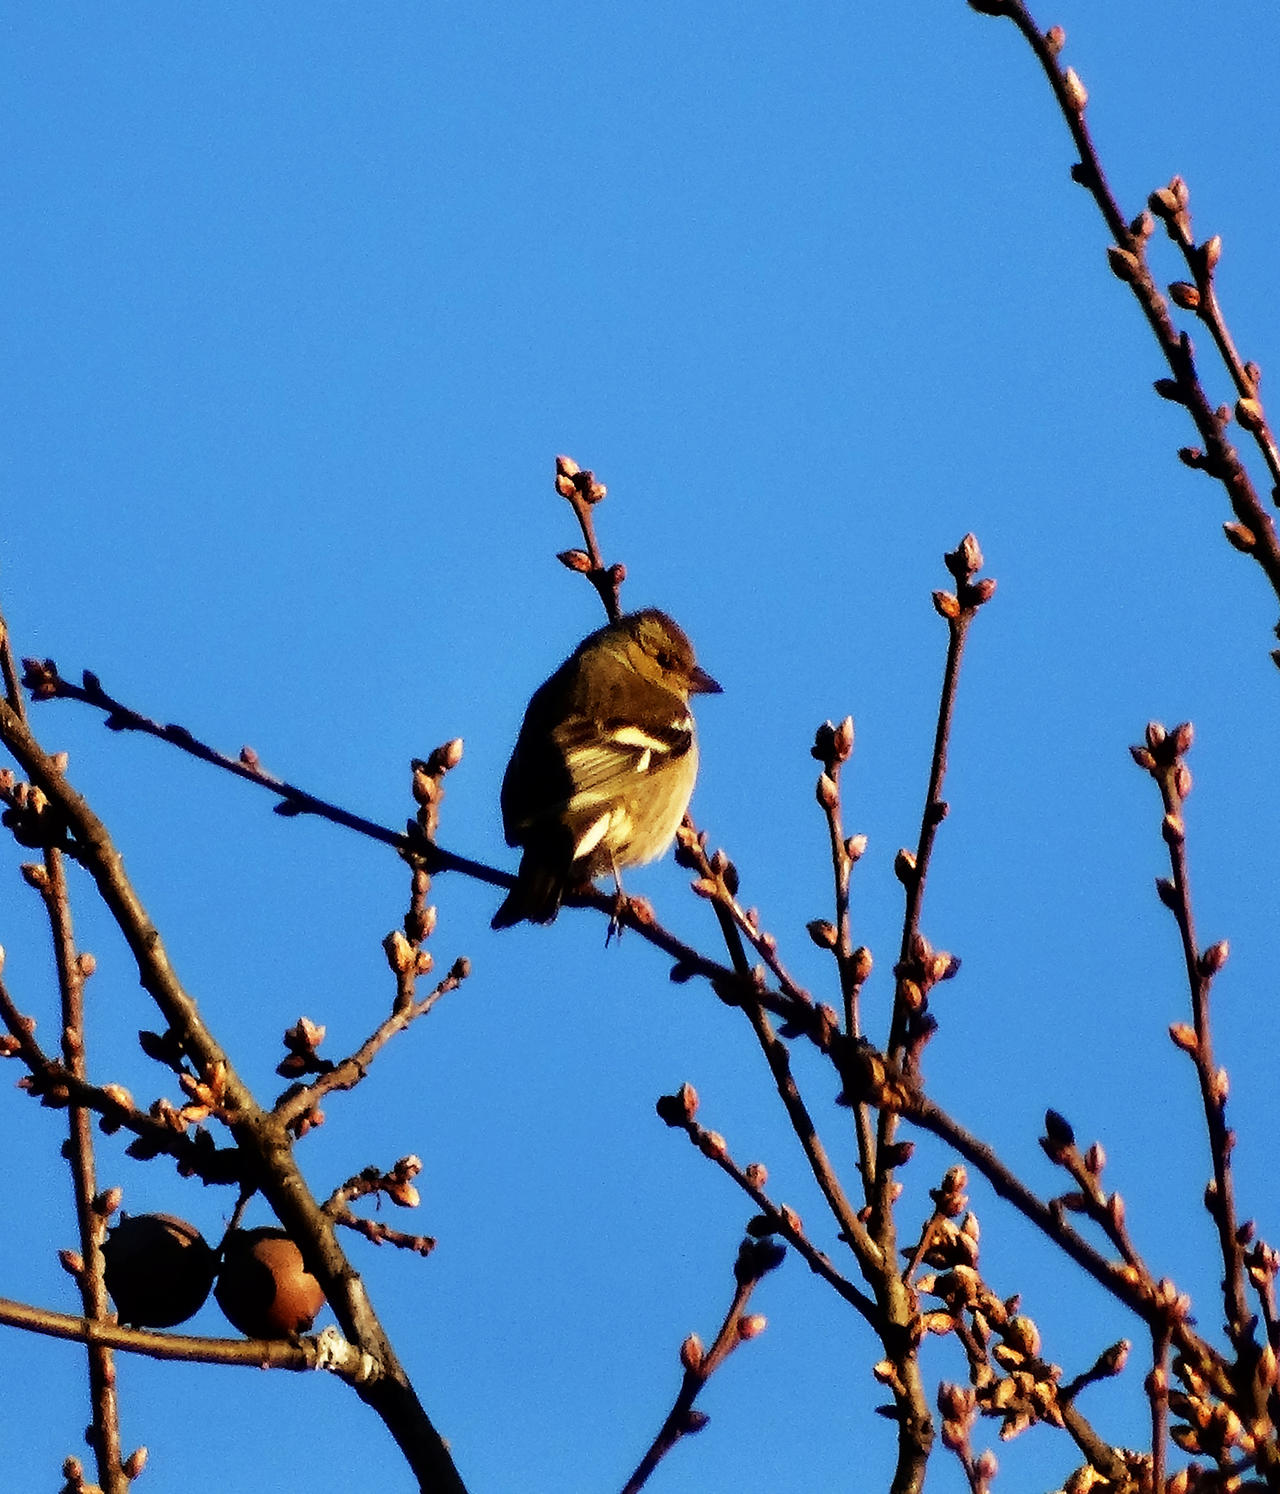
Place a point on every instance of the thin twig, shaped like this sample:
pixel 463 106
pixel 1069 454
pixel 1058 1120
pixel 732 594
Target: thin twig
pixel 916 971
pixel 678 1111
pixel 716 884
pixel 1202 261
pixel 1162 756
pixel 348 1072
pixel 583 492
pixel 958 611
pixel 700 1364
pixel 1158 1394
pixel 832 747
pixel 1254 533
pixel 45 683
pixel 71 968
pixel 9 672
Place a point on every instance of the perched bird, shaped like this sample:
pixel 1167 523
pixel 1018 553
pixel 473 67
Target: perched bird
pixel 604 764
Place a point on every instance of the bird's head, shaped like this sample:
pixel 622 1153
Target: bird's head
pixel 657 647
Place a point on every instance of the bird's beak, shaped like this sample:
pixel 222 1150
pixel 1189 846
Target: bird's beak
pixel 701 683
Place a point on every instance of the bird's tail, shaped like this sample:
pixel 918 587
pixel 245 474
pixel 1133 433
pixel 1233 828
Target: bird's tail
pixel 535 898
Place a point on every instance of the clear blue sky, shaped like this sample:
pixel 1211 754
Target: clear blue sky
pixel 301 303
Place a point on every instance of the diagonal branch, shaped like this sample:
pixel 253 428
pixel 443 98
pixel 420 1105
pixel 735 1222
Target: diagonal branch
pixel 1254 531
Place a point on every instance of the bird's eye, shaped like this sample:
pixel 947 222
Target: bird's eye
pixel 664 659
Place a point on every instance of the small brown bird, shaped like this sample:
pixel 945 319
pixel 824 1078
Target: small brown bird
pixel 604 764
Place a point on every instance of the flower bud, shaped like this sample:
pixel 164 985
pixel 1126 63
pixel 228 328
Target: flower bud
pixel 1183 294
pixel 1214 958
pixel 822 933
pixel 107 1202
pixel 752 1325
pixel 692 1353
pixel 400 953
pixel 1077 94
pixel 1124 265
pixel 713 1145
pixel 1241 537
pixel 1022 1334
pixel 1249 414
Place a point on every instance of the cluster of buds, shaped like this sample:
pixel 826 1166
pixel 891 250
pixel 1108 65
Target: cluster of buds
pixel 200 1157
pixel 573 481
pixel 1009 1378
pixel 428 785
pixel 206 1095
pixel 959 1409
pixel 40 679
pixel 920 971
pixel 964 563
pixel 719 876
pixel 1209 1427
pixel 1027 1392
pixel 869 1078
pixel 832 747
pixel 1161 752
pixel 1088 1480
pixel 398 1183
pixel 1170 205
pixel 302 1050
pixel 951 1246
pixel 758 1254
pixel 32 820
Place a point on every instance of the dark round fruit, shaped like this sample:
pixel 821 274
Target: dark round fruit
pixel 158 1270
pixel 264 1288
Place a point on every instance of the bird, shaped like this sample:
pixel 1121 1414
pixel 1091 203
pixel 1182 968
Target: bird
pixel 604 762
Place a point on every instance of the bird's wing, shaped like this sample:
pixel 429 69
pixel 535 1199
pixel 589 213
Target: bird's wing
pixel 608 759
